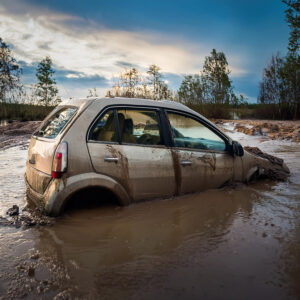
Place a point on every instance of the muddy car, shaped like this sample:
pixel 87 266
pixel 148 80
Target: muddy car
pixel 133 149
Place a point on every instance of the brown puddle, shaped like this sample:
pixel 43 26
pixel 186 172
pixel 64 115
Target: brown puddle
pixel 239 242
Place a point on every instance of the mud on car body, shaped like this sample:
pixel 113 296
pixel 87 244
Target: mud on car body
pixel 136 149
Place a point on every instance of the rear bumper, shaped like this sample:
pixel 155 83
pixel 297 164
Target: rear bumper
pixel 44 202
pixel 37 198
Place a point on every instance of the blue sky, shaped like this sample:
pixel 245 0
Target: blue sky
pixel 91 41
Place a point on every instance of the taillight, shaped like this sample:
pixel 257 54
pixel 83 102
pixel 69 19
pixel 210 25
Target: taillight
pixel 60 161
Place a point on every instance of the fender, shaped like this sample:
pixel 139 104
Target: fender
pixel 60 190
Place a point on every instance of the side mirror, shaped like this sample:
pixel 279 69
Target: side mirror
pixel 237 149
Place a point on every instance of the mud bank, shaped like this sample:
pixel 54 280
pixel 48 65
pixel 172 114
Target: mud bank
pixel 16 133
pixel 275 130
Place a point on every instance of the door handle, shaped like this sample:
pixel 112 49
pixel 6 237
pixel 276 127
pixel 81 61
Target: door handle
pixel 111 159
pixel 186 162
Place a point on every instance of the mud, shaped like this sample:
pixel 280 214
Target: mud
pixel 27 218
pixel 277 169
pixel 177 171
pixel 123 169
pixel 275 130
pixel 210 160
pixel 16 133
pixel 237 242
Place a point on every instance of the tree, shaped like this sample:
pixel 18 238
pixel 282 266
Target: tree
pixel 281 78
pixel 216 85
pixel 271 85
pixel 164 92
pixel 126 84
pixel 190 90
pixel 212 86
pixel 129 81
pixel 277 88
pixel 154 80
pixel 291 69
pixel 46 86
pixel 92 93
pixel 159 88
pixel 292 14
pixel 10 73
pixel 143 90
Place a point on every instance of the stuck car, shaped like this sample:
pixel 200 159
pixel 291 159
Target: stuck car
pixel 136 149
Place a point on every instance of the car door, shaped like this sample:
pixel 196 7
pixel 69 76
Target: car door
pixel 127 144
pixel 200 154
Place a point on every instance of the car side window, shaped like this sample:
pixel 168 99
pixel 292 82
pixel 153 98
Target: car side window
pixel 104 129
pixel 138 126
pixel 189 133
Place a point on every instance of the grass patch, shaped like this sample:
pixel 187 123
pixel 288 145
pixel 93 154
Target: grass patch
pixel 244 111
pixel 23 112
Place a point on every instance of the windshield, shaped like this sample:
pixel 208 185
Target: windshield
pixel 55 124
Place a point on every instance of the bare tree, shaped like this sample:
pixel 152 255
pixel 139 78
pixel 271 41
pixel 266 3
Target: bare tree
pixel 129 81
pixel 92 93
pixel 154 80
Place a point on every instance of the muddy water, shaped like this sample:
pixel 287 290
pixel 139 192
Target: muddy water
pixel 240 242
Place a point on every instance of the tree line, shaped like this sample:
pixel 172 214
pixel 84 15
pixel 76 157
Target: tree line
pixel 280 85
pixel 211 85
pixel 133 84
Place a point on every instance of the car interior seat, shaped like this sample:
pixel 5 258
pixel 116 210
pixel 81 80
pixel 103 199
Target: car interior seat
pixel 127 133
pixel 108 132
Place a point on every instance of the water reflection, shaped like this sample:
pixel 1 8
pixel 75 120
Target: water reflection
pixel 132 245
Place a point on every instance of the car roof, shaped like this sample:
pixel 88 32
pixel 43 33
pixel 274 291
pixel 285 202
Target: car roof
pixel 126 101
pixel 76 101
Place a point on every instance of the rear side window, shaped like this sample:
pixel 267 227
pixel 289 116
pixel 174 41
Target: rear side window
pixel 55 124
pixel 104 129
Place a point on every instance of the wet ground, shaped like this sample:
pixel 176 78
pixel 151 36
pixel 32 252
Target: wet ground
pixel 239 242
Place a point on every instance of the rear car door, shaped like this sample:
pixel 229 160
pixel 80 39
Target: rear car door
pixel 127 144
pixel 200 154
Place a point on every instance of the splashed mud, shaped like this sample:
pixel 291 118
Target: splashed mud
pixel 237 242
pixel 277 170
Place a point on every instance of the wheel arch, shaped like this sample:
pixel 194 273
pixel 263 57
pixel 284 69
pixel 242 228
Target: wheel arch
pixel 62 190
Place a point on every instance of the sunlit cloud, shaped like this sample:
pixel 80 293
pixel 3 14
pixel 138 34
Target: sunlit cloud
pixel 89 49
pixel 74 76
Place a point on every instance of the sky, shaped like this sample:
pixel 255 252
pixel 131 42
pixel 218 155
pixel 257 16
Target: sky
pixel 91 41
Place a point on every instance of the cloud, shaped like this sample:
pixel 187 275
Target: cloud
pixel 84 46
pixel 86 54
